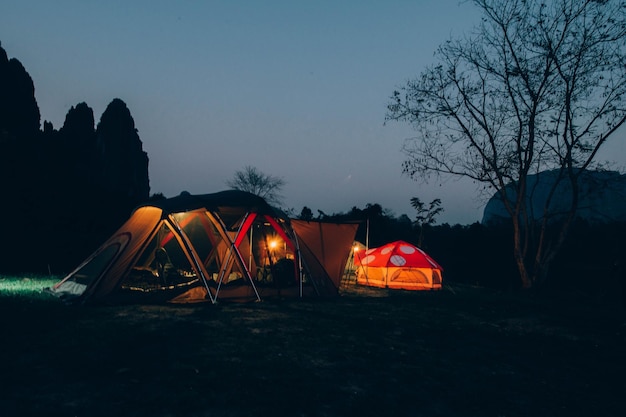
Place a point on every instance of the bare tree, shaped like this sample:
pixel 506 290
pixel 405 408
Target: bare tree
pixel 254 181
pixel 540 85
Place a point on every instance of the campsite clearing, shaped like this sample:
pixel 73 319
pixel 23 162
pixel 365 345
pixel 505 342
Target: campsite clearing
pixel 461 351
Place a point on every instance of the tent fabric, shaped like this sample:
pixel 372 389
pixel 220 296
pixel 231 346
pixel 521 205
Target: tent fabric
pixel 398 265
pixel 198 248
pixel 327 243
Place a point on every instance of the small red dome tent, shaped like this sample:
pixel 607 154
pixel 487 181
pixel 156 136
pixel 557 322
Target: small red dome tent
pixel 398 265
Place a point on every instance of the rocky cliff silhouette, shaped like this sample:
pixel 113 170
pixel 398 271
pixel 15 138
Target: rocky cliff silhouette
pixel 64 190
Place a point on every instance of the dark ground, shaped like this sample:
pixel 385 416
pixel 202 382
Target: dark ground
pixel 462 351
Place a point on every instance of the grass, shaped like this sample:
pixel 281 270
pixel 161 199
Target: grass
pixel 463 351
pixel 26 286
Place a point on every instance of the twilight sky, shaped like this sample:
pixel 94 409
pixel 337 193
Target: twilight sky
pixel 297 89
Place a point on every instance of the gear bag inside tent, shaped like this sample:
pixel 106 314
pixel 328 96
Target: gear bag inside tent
pixel 202 248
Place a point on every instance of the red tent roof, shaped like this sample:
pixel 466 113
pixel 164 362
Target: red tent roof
pixel 396 254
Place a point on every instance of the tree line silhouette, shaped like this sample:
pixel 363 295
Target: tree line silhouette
pixel 64 191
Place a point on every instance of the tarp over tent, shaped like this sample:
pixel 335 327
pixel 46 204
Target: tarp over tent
pixel 399 265
pixel 193 248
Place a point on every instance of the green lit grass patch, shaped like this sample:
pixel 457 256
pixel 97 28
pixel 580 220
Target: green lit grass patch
pixel 26 286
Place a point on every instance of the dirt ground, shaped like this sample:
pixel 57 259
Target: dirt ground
pixel 462 351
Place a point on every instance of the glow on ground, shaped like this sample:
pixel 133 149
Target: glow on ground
pixel 24 285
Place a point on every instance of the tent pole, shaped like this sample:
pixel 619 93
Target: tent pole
pixel 234 248
pixel 295 238
pixel 367 233
pixel 367 247
pixel 250 256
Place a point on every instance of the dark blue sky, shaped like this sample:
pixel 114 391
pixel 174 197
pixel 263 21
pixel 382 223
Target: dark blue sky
pixel 297 89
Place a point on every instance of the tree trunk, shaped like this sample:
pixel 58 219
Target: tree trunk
pixel 518 253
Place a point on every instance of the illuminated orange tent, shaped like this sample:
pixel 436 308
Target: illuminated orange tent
pixel 399 265
pixel 226 245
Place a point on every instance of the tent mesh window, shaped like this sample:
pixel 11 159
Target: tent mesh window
pixel 75 284
pixel 97 265
pixel 163 264
pixel 205 239
pixel 410 275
